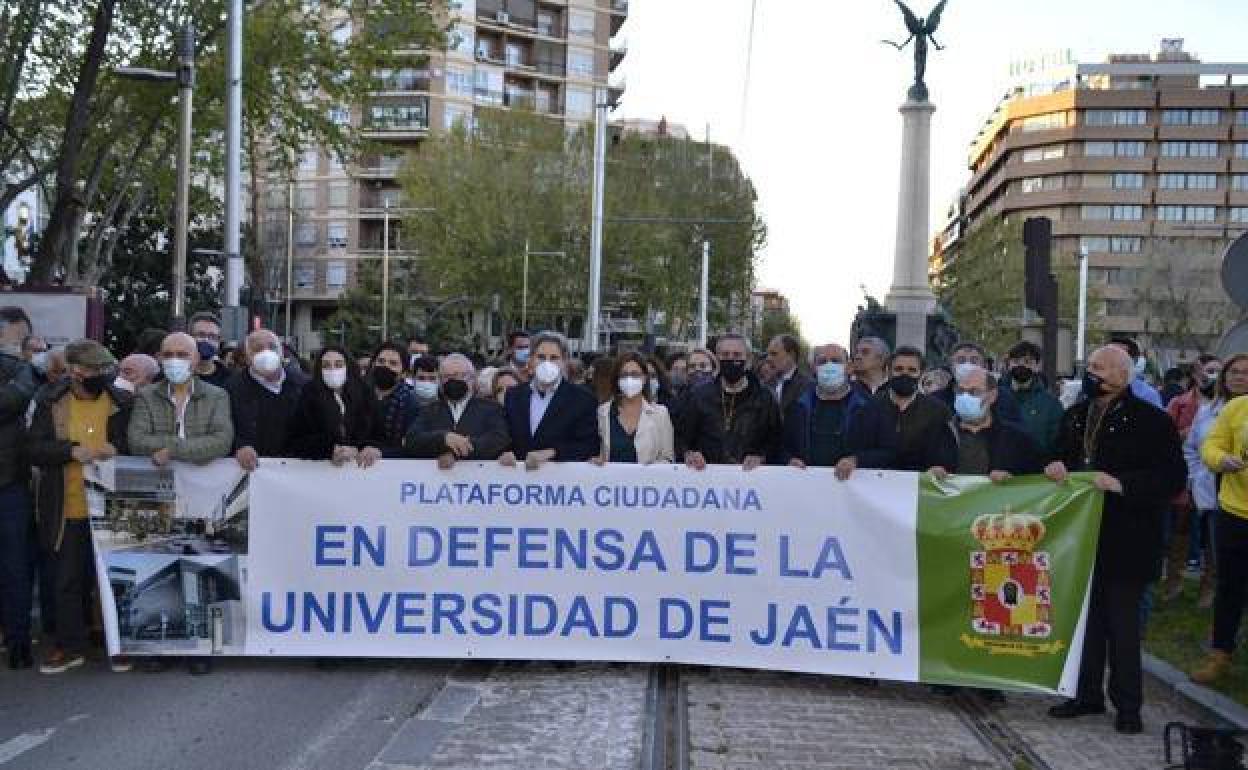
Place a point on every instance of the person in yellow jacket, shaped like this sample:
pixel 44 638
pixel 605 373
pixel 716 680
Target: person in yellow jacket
pixel 1225 452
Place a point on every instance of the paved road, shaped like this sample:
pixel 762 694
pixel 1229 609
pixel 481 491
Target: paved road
pixel 402 715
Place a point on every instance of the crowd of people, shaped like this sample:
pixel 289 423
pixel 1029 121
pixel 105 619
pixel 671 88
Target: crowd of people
pixel 1171 465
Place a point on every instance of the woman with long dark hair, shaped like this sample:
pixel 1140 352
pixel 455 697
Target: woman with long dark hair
pixel 338 417
pixel 633 428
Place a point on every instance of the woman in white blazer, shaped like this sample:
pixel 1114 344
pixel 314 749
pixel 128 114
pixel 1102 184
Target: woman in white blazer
pixel 633 429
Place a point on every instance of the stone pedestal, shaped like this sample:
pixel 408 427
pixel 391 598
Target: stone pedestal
pixel 911 297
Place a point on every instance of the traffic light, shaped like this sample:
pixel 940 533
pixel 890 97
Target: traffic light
pixel 1037 266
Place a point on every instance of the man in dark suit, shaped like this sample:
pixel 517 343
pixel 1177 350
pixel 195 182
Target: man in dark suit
pixel 458 426
pixel 1134 449
pixel 785 353
pixel 548 417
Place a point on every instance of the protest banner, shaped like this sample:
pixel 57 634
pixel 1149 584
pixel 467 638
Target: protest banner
pixel 889 575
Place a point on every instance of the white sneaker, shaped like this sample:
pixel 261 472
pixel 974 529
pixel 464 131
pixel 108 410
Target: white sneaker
pixel 120 664
pixel 58 663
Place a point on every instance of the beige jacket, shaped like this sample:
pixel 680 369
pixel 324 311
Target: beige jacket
pixel 654 438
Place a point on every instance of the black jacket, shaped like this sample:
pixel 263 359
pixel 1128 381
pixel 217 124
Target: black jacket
pixel 482 422
pixel 49 449
pixel 756 425
pixel 570 425
pixel 319 425
pixel 1138 445
pixel 261 417
pixel 867 431
pixel 17 385
pixel 1010 449
pixel 920 436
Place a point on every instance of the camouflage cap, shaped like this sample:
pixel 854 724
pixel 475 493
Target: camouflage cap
pixel 88 353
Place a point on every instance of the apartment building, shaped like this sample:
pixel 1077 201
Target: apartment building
pixel 546 56
pixel 1141 162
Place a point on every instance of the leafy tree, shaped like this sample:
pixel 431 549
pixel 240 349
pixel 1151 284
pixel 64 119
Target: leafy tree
pixel 777 322
pixel 982 286
pixel 519 177
pixel 1179 294
pixel 103 146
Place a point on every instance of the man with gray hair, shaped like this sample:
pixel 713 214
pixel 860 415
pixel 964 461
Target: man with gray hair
pixel 263 400
pixel 870 364
pixel 1134 452
pixel 549 418
pixel 986 446
pixel 135 371
pixel 458 426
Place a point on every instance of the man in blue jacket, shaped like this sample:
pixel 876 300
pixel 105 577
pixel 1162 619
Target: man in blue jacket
pixel 832 424
pixel 548 417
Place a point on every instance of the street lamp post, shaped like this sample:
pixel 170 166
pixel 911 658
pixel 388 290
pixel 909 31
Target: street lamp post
pixel 601 106
pixel 185 78
pixel 233 153
pixel 385 273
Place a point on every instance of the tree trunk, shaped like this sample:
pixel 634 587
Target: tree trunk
pixel 60 230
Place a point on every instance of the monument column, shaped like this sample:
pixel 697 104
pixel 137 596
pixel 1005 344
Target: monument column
pixel 911 298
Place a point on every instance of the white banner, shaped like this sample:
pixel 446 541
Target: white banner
pixel 768 569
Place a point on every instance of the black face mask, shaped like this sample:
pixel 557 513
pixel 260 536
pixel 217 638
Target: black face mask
pixel 1092 385
pixel 454 390
pixel 1022 374
pixel 1208 389
pixel 384 377
pixel 903 385
pixel 94 386
pixel 732 371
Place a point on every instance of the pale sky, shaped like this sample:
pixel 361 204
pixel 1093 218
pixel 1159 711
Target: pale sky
pixel 821 132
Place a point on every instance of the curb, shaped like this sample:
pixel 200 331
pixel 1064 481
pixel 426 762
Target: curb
pixel 1229 711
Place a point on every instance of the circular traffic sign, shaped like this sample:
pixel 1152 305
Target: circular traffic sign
pixel 1235 270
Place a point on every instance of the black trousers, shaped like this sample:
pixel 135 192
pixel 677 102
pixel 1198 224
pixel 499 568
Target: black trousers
pixel 1232 560
pixel 74 570
pixel 1112 637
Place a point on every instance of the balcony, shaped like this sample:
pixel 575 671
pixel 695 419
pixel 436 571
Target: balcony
pixel 619 49
pixel 619 14
pixel 520 99
pixel 615 92
pixel 397 121
pixel 401 81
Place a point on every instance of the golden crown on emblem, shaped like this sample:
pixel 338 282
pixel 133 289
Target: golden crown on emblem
pixel 1008 531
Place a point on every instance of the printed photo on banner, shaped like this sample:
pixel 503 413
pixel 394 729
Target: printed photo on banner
pixel 170 551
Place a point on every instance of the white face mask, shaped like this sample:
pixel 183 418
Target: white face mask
pixel 266 362
pixel 177 370
pixel 40 361
pixel 630 386
pixel 121 383
pixel 334 378
pixel 425 390
pixel 548 372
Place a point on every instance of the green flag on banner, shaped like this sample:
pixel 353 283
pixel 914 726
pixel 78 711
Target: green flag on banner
pixel 1003 576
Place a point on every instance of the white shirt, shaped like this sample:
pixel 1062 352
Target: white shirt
pixel 181 408
pixel 273 387
pixel 457 408
pixel 538 404
pixel 779 387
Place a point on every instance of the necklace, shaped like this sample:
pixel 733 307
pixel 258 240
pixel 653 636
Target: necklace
pixel 727 409
pixel 1091 431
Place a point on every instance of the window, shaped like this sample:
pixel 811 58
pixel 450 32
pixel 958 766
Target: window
pixel 341 33
pixel 339 192
pixel 1241 150
pixel 1097 181
pixel 517 56
pixel 1174 149
pixel 339 116
pixel 336 275
pixel 1095 212
pixel 547 23
pixel 305 276
pixel 1206 117
pixel 305 196
pixel 456 113
pixel 581 63
pixel 1126 244
pixel 1093 244
pixel 1175 117
pixel 1241 117
pixel 1047 152
pixel 462 39
pixel 1202 149
pixel 1200 213
pixel 581 24
pixel 337 235
pixel 1172 182
pixel 1045 122
pixel 1128 181
pixel 1170 213
pixel 488 86
pixel 1238 214
pixel 309 160
pixel 1202 181
pixel 1041 183
pixel 1128 213
pixel 1122 276
pixel 335 162
pixel 459 82
pixel 580 102
pixel 1098 149
pixel 1115 117
pixel 305 234
pixel 1129 149
pixel 1239 182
